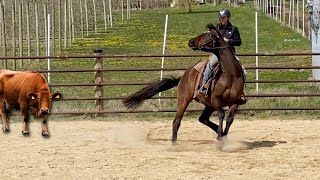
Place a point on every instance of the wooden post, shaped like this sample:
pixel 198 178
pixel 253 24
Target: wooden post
pixel 280 11
pixel 3 28
pixel 81 19
pixel 59 26
pixel 266 5
pixel 303 21
pixel 110 13
pixel 53 29
pixel 298 23
pixel 284 12
pixel 65 24
pixel 72 21
pixel 20 34
pixel 105 14
pixel 69 23
pixel 128 9
pixel 28 31
pixel 14 34
pixel 309 29
pixel 277 9
pixel 98 79
pixel 45 12
pixel 273 12
pixel 94 17
pixel 122 10
pixel 290 7
pixel 270 7
pixel 86 12
pixel 37 28
pixel 293 17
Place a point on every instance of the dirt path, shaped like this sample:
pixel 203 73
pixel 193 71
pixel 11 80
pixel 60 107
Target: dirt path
pixel 258 149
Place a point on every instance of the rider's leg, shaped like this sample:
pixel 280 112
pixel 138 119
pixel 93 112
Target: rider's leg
pixel 244 72
pixel 213 59
pixel 245 77
pixel 243 69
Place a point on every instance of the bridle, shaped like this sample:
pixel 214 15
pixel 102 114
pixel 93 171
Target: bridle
pixel 201 46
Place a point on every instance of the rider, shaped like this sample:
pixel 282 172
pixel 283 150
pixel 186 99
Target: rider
pixel 231 36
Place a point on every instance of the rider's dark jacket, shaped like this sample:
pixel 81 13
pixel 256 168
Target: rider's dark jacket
pixel 230 32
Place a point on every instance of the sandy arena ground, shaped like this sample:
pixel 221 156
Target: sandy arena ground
pixel 257 149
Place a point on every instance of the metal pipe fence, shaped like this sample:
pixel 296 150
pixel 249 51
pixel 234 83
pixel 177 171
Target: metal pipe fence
pixel 152 55
pixel 101 84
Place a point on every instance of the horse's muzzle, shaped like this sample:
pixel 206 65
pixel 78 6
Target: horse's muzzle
pixel 192 44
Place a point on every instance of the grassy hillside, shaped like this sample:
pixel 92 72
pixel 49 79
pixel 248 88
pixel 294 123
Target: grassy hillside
pixel 144 34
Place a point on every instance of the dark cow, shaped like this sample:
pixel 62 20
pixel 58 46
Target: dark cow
pixel 25 90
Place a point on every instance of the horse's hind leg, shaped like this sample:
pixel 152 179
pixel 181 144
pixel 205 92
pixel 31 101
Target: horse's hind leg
pixel 182 106
pixel 221 115
pixel 204 118
pixel 185 96
pixel 233 110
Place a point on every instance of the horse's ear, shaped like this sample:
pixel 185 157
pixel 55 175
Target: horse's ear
pixel 211 26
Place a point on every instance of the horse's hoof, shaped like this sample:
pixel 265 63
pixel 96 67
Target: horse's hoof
pixel 174 143
pixel 25 133
pixel 46 134
pixel 6 130
pixel 220 144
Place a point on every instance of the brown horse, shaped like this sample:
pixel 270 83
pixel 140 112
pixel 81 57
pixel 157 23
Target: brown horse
pixel 225 91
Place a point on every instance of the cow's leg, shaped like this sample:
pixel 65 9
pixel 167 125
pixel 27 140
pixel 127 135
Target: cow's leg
pixel 3 112
pixel 45 131
pixel 25 115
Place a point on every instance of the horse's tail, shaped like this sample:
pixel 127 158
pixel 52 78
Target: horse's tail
pixel 136 99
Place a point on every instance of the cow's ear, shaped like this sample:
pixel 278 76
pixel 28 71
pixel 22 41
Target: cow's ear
pixel 56 96
pixel 32 95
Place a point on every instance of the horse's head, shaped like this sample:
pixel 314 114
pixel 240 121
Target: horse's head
pixel 207 41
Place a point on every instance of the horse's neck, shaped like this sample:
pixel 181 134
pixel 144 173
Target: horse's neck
pixel 229 64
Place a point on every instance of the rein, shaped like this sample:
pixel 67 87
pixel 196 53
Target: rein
pixel 213 48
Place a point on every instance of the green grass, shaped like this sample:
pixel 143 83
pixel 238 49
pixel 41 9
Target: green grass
pixel 144 34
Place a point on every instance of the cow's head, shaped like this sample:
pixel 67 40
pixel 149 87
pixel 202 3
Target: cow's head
pixel 43 100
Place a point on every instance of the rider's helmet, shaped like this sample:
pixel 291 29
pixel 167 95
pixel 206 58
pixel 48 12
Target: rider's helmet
pixel 224 12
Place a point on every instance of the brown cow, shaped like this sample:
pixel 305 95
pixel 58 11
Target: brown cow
pixel 25 90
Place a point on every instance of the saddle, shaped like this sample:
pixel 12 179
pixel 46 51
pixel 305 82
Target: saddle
pixel 200 67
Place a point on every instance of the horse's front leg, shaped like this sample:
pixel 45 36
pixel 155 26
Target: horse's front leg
pixel 221 115
pixel 233 110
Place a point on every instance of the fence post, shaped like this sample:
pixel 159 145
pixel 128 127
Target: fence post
pixel 28 31
pixel 20 34
pixel 4 41
pixel 13 10
pixel 98 75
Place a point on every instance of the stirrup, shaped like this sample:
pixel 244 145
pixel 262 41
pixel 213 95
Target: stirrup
pixel 203 92
pixel 243 99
